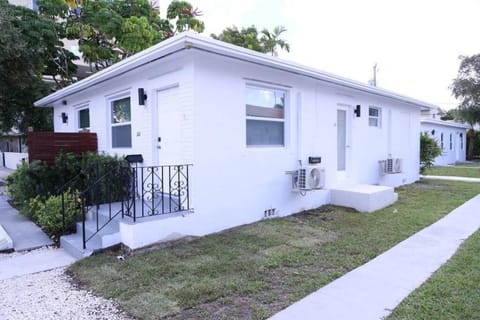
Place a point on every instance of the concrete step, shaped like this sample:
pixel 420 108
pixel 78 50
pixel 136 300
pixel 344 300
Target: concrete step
pixel 107 236
pixel 73 244
pixel 364 198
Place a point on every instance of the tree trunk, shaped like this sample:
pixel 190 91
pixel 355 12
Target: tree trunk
pixel 471 139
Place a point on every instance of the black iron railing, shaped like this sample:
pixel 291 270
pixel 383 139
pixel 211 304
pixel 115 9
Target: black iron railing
pixel 158 190
pixel 134 192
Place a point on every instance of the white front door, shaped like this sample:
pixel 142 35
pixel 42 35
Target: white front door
pixel 343 141
pixel 169 127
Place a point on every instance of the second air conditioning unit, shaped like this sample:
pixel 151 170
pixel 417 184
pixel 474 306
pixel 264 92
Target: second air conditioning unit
pixel 391 165
pixel 310 178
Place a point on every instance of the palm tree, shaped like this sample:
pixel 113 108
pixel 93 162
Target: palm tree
pixel 271 40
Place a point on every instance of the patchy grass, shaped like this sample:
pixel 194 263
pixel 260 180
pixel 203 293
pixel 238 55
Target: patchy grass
pixel 453 292
pixel 473 172
pixel 254 271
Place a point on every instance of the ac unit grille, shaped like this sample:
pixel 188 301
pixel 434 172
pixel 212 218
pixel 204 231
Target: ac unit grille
pixel 308 178
pixel 302 179
pixel 391 165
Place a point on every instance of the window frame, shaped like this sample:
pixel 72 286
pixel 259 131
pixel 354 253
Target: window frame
pixel 257 86
pixel 378 117
pixel 111 103
pixel 78 118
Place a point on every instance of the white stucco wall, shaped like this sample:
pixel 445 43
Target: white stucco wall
pixel 233 183
pixel 451 152
pixel 143 118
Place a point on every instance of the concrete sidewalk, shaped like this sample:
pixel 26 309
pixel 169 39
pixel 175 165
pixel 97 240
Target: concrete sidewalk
pixel 33 261
pixel 451 178
pixel 25 234
pixel 374 289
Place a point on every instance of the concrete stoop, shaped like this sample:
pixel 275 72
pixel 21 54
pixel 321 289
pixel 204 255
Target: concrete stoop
pixel 364 198
pixel 107 237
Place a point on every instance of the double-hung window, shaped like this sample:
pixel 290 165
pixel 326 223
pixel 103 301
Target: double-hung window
pixel 451 142
pixel 121 123
pixel 374 117
pixel 83 117
pixel 441 140
pixel 265 116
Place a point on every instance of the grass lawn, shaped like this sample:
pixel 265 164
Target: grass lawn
pixel 473 172
pixel 254 271
pixel 453 292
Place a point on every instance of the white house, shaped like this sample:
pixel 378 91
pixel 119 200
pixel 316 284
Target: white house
pixel 247 122
pixel 450 136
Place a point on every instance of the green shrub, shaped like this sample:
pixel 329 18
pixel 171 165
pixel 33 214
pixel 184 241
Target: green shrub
pixel 429 150
pixel 70 170
pixel 49 216
pixel 29 181
pixel 35 205
pixel 35 187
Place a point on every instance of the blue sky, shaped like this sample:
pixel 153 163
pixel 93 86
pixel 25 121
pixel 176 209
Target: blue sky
pixel 416 43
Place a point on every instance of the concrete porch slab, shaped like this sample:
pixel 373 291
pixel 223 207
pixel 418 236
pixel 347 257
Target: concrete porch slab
pixel 362 197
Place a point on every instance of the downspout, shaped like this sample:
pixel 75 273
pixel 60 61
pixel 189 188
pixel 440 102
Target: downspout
pixel 299 128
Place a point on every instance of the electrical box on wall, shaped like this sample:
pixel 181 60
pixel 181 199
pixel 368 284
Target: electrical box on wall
pixel 314 160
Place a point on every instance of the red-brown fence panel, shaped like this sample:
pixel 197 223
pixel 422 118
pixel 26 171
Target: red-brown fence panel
pixel 45 146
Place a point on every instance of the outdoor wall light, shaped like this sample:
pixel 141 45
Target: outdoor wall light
pixel 142 96
pixel 64 117
pixel 433 132
pixel 461 135
pixel 357 111
pixel 64 102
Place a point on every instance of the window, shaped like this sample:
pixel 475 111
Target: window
pixel 374 117
pixel 461 141
pixel 265 113
pixel 441 140
pixel 121 123
pixel 451 142
pixel 84 119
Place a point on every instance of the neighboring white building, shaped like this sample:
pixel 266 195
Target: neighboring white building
pixel 246 121
pixel 451 137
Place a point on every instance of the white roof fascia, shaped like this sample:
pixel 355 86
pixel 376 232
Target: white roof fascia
pixel 188 40
pixel 158 51
pixel 446 123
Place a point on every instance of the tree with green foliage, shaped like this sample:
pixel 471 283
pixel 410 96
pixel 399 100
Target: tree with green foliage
pixel 467 88
pixel 429 150
pixel 272 40
pixel 451 114
pixel 30 48
pixel 112 30
pixel 264 41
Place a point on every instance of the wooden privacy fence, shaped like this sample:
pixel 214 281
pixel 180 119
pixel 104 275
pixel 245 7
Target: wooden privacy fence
pixel 45 146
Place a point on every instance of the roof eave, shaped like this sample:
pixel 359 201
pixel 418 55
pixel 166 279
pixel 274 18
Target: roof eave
pixel 189 40
pixel 152 53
